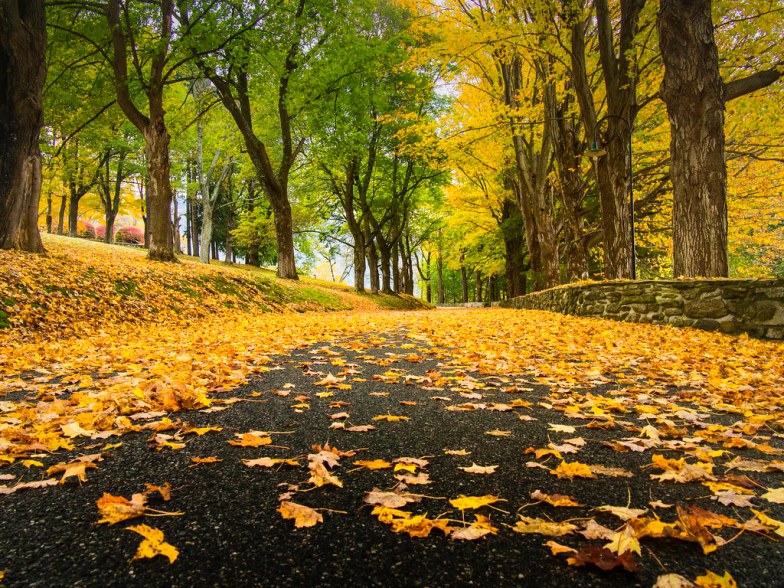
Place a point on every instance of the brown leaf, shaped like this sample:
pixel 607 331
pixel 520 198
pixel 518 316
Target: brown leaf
pixel 603 558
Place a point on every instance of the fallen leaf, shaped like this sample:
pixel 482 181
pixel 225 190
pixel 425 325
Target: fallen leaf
pixel 390 499
pixel 775 495
pixel 602 558
pixel 543 527
pixel 711 580
pixel 376 464
pixel 210 459
pixel 554 499
pixel 469 502
pixel 673 581
pixel 153 543
pixel 303 516
pixel 573 470
pixel 390 418
pixel 115 509
pixel 251 439
pixel 477 469
pixel 557 548
pixel 268 462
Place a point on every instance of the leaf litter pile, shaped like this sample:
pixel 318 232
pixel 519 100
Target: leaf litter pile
pixel 520 446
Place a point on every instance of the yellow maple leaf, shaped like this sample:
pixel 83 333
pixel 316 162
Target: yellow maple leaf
pixel 557 548
pixel 554 499
pixel 210 459
pixel 390 418
pixel 269 462
pixel 251 439
pixel 543 527
pixel 153 543
pixel 776 526
pixel 774 495
pixel 711 580
pixel 573 470
pixel 376 464
pixel 464 502
pixel 115 509
pixel 303 516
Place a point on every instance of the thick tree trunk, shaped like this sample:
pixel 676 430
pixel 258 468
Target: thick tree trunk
pixel 464 284
pixel 49 213
pixel 156 149
pixel 61 215
pixel 284 234
pixel 395 268
pixel 385 254
pixel 478 286
pixel 694 95
pixel 73 211
pixel 22 75
pixel 206 234
pixel 359 264
pixel 512 230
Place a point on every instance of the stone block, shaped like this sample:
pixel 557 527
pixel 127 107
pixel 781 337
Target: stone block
pixel 710 308
pixel 671 311
pixel 759 312
pixel 707 324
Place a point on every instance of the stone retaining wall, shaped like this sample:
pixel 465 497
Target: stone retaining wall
pixel 755 307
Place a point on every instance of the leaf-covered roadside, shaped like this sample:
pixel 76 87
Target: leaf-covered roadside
pixel 581 403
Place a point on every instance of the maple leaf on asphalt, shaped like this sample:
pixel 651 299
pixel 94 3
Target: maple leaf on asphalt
pixel 153 543
pixel 419 479
pixel 210 459
pixel 543 527
pixel 673 581
pixel 624 541
pixel 476 530
pixel 269 462
pixel 775 495
pixel 75 469
pixel 390 418
pixel 390 499
pixel 603 558
pixel 733 498
pixel 359 428
pixel 477 469
pixel 422 463
pixel 303 516
pixel 463 502
pixel 251 439
pixel 456 452
pixel 776 526
pixel 712 580
pixel 376 464
pixel 556 548
pixel 573 470
pixel 28 485
pixel 622 512
pixel 115 509
pixel 554 499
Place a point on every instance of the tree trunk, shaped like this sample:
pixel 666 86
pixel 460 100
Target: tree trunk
pixel 694 95
pixel 158 225
pixel 22 75
pixel 61 214
pixel 395 268
pixel 49 213
pixel 156 149
pixel 464 283
pixel 440 271
pixel 478 286
pixel 73 210
pixel 359 264
pixel 512 231
pixel 372 258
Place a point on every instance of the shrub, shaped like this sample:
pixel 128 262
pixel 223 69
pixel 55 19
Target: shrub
pixel 100 232
pixel 85 229
pixel 129 235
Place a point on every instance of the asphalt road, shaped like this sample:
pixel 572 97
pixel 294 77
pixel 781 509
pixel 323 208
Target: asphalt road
pixel 231 535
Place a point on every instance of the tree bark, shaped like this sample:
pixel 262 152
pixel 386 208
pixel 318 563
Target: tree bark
pixel 440 271
pixel 620 91
pixel 22 76
pixel 463 284
pixel 153 127
pixel 478 286
pixel 693 92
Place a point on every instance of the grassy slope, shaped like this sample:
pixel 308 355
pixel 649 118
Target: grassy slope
pixel 83 285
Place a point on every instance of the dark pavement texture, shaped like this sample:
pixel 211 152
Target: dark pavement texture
pixel 231 535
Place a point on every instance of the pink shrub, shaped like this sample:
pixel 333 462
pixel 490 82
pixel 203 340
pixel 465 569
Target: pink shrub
pixel 100 232
pixel 85 229
pixel 129 235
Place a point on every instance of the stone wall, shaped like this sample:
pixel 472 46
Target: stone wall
pixel 755 307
